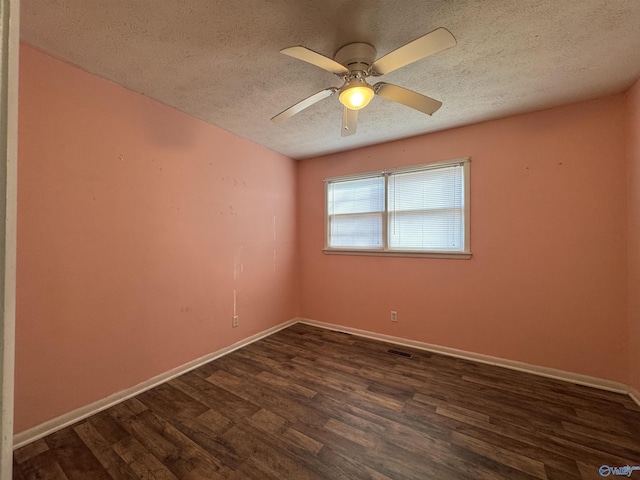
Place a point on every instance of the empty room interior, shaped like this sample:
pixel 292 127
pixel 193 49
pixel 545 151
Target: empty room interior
pixel 328 240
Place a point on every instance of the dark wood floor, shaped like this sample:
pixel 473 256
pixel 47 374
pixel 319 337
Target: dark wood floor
pixel 307 403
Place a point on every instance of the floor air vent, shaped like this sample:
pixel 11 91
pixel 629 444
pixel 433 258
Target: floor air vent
pixel 399 353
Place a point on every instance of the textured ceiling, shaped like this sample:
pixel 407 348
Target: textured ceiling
pixel 219 60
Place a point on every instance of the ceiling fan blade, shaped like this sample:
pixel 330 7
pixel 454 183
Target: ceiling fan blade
pixel 349 121
pixel 317 59
pixel 407 97
pixel 307 102
pixel 433 42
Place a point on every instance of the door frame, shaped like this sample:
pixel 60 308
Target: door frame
pixel 9 53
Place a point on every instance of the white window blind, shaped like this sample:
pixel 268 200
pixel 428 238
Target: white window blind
pixel 355 209
pixel 421 209
pixel 426 209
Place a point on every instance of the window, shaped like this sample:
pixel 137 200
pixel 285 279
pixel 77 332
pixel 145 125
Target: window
pixel 421 210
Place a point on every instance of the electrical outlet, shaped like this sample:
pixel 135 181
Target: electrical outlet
pixel 394 316
pixel 234 321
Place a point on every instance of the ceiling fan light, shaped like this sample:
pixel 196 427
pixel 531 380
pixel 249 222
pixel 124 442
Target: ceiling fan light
pixel 356 94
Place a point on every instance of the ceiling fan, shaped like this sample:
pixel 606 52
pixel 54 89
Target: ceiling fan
pixel 354 62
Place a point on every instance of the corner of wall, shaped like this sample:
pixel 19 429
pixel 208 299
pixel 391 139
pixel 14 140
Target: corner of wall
pixel 298 252
pixel 633 232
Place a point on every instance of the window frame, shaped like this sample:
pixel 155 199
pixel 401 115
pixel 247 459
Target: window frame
pixel 465 253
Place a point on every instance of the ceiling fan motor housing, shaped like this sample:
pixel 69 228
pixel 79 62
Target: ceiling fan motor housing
pixel 356 56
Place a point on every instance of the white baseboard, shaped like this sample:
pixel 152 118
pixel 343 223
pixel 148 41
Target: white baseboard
pixel 23 438
pixel 556 374
pixel 27 436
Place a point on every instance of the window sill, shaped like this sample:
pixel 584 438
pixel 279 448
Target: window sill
pixel 396 253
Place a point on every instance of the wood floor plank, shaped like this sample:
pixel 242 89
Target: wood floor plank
pixel 351 433
pixel 102 450
pixel 31 450
pixel 190 459
pixel 74 457
pixel 300 440
pixel 107 426
pixel 518 441
pixel 266 459
pixel 300 454
pixel 211 441
pixel 308 403
pixel 143 463
pixel 268 422
pixel 500 454
pixel 621 444
pixel 227 403
pixel 39 467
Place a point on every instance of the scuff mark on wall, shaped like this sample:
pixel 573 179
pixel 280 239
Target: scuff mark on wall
pixel 235 302
pixel 238 265
pixel 274 228
pixel 238 268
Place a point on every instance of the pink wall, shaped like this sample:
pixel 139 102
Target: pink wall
pixel 633 97
pixel 137 224
pixel 547 281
